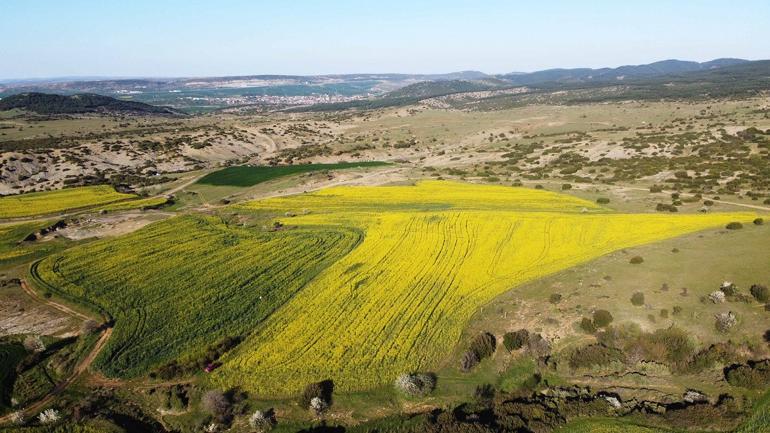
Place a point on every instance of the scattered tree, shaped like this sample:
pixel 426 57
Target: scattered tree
pixel 637 299
pixel 725 321
pixel 735 225
pixel 262 422
pixel 34 344
pixel 416 384
pixel 49 416
pixel 602 318
pixel 515 340
pixel 760 293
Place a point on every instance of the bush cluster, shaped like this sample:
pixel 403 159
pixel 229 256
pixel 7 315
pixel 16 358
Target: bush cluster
pixel 482 346
pixel 754 375
pixel 637 299
pixel 515 340
pixel 416 384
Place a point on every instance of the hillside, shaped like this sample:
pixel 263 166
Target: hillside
pixel 46 103
pixel 664 67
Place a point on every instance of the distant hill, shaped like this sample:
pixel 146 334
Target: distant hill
pixel 586 75
pixel 47 103
pixel 428 89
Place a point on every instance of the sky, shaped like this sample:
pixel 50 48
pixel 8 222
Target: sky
pixel 176 38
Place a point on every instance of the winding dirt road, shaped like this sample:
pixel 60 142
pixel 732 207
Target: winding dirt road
pixel 79 369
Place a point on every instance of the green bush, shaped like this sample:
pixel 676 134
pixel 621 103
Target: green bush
pixel 483 345
pixel 594 355
pixel 602 318
pixel 555 298
pixel 754 375
pixel 637 299
pixel 636 260
pixel 566 186
pixel 602 200
pixel 735 225
pixel 587 325
pixel 760 293
pixel 758 221
pixel 515 340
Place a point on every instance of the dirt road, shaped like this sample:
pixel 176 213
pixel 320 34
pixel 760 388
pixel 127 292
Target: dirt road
pixel 79 369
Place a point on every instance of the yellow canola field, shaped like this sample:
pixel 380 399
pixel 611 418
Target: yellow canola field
pixel 401 299
pixel 48 202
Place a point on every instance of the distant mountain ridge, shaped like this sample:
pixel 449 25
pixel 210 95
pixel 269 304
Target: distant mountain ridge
pixel 664 67
pixel 46 103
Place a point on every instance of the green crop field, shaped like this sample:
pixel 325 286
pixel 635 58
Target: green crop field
pixel 252 175
pixel 177 286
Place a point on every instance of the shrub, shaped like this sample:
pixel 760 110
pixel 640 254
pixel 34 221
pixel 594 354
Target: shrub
pixel 752 375
pixel 483 345
pixel 602 200
pixel 717 297
pixel 676 310
pixel 49 416
pixel 262 422
pixel 515 340
pixel 758 221
pixel 636 260
pixel 318 405
pixel 469 360
pixel 216 403
pixel 637 299
pixel 656 188
pixel 89 327
pixel 708 203
pixel 725 321
pixel 34 344
pixel 663 313
pixel 594 355
pixel 729 288
pixel 566 186
pixel 555 298
pixel 602 318
pixel 760 293
pixel 664 207
pixel 416 384
pixel 587 325
pixel 322 390
pixel 735 225
pixel 538 346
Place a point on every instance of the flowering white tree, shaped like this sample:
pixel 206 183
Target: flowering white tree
pixel 262 421
pixel 49 416
pixel 318 405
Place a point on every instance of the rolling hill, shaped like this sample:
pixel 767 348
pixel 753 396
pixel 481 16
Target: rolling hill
pixel 46 103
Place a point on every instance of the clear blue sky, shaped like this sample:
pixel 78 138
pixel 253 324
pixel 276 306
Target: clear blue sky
pixel 47 38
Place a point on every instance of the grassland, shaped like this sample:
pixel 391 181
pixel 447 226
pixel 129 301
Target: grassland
pixel 244 176
pixel 49 202
pixel 432 255
pixel 218 279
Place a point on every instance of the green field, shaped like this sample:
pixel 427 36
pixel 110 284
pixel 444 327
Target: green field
pixel 251 175
pixel 177 286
